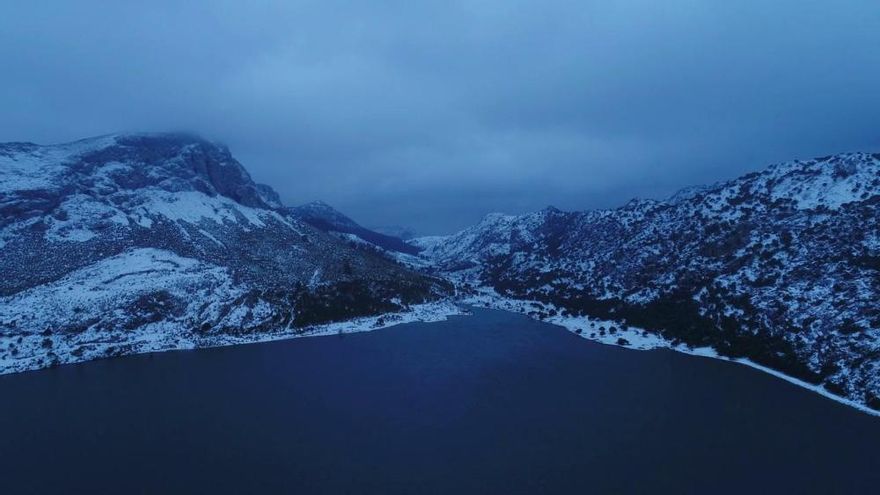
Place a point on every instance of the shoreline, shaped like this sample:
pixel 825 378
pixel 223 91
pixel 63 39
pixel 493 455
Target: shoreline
pixel 154 341
pixel 640 340
pixel 583 327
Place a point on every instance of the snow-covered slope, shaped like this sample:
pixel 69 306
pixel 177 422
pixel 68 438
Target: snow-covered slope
pixel 781 267
pixel 123 241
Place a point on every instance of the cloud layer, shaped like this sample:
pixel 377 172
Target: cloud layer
pixel 431 114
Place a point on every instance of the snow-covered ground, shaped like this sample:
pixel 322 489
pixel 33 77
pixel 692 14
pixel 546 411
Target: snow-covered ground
pixel 418 313
pixel 164 336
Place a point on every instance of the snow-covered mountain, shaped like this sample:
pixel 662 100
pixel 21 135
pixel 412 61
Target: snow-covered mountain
pixel 137 242
pixel 781 267
pixel 141 242
pixel 324 217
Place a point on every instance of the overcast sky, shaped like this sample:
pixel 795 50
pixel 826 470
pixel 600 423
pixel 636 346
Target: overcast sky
pixel 431 114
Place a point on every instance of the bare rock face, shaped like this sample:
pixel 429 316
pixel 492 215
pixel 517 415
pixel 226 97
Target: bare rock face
pixel 126 243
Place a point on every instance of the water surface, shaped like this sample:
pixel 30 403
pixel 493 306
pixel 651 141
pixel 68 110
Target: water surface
pixel 493 403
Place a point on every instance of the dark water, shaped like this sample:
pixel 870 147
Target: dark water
pixel 494 404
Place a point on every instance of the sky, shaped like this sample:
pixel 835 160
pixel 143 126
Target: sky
pixel 430 114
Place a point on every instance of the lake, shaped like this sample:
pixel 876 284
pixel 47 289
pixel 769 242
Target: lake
pixel 492 403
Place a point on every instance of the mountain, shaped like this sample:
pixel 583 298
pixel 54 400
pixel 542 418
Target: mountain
pixel 139 242
pixel 781 267
pixel 144 242
pixel 324 217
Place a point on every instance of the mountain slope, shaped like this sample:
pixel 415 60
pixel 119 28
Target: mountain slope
pixel 326 218
pixel 781 267
pixel 126 243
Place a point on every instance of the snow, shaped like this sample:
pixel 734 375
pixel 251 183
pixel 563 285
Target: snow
pixel 85 312
pixel 168 335
pixel 594 329
pixel 94 196
pixel 209 236
pixel 832 183
pixel 353 239
pixel 37 167
pixel 100 287
pixel 194 207
pixel 424 313
pixel 82 211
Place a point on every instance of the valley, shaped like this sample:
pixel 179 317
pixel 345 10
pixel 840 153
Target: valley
pixel 137 243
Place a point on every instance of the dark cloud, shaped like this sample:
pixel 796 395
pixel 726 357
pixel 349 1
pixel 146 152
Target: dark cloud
pixel 430 114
